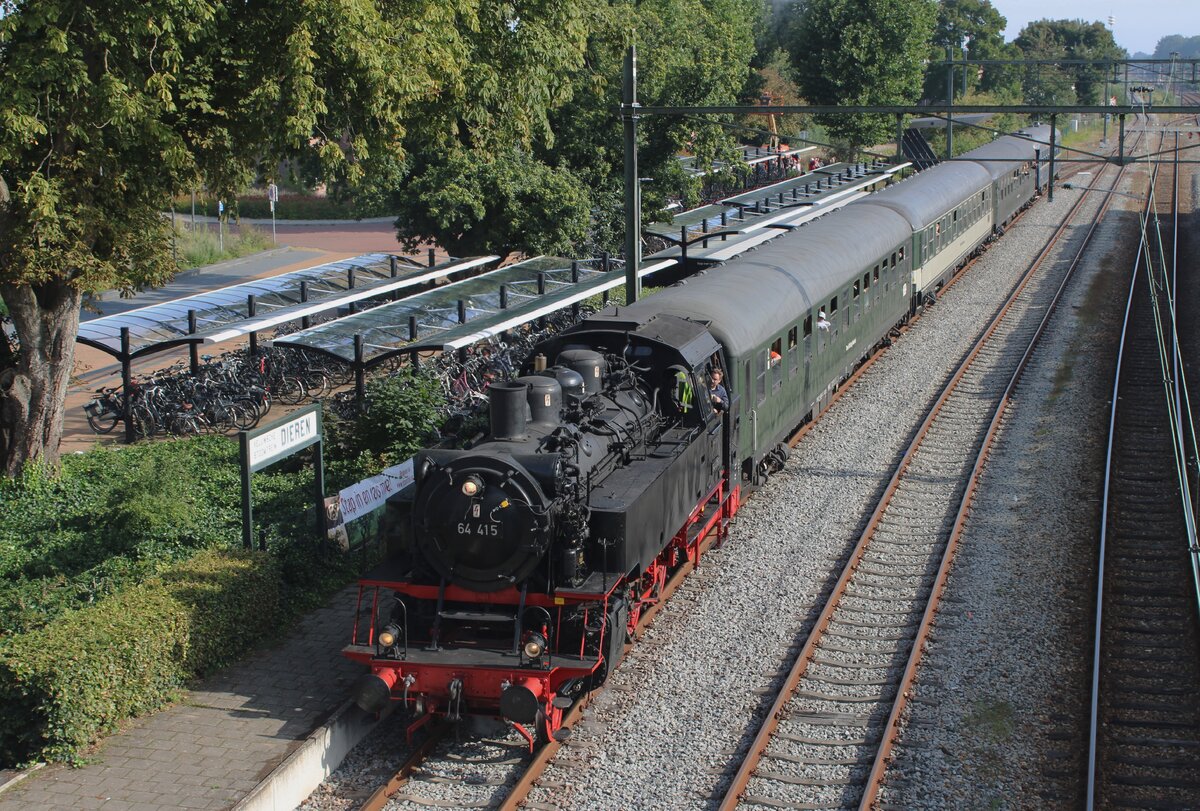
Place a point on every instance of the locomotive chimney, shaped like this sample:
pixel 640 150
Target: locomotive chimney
pixel 508 410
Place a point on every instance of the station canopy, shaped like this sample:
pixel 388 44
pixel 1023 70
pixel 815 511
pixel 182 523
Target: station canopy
pixel 747 156
pixel 222 314
pixel 722 230
pixel 530 289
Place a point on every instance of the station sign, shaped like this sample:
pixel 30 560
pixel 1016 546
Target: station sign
pixel 282 438
pixel 265 446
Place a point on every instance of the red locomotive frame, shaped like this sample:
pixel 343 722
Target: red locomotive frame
pixel 432 684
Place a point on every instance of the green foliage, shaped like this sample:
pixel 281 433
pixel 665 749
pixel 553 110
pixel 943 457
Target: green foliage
pixel 540 97
pixel 119 571
pixel 983 25
pixel 1185 47
pixel 868 53
pixel 253 204
pixel 111 518
pixel 1066 39
pixel 111 106
pixel 968 137
pixel 479 204
pixel 63 685
pixel 401 418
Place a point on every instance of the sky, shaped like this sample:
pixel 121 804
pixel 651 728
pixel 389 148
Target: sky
pixel 1139 25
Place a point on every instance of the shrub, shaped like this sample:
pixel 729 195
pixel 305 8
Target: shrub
pixel 63 685
pixel 401 419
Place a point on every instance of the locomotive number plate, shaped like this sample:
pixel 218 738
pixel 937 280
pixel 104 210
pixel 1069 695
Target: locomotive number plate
pixel 484 529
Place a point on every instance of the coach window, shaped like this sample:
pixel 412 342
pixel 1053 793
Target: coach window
pixel 762 380
pixel 775 362
pixel 793 347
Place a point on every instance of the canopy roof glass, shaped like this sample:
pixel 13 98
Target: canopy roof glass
pixel 762 214
pixel 225 313
pixel 528 290
pixel 744 212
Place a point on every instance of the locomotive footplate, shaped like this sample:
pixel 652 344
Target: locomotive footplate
pixel 597 587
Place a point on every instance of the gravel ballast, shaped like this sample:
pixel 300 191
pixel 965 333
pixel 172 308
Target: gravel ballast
pixel 667 730
pixel 693 691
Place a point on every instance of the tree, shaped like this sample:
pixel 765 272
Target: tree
pixel 691 52
pixel 1066 39
pixel 863 52
pixel 983 27
pixel 1185 47
pixel 476 205
pixel 110 106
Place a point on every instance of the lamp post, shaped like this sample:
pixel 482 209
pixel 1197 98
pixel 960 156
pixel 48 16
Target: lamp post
pixel 950 101
pixel 966 85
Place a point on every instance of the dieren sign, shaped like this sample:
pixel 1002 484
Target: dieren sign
pixel 267 445
pixel 278 441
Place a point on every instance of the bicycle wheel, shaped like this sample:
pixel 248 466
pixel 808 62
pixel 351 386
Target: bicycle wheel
pixel 101 420
pixel 316 384
pixel 144 424
pixel 244 414
pixel 290 391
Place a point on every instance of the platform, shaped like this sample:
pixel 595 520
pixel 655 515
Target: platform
pixel 213 748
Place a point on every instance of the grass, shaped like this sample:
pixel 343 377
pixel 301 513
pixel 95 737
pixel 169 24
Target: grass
pixel 993 719
pixel 203 246
pixel 291 206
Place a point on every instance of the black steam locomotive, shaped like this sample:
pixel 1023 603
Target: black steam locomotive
pixel 530 557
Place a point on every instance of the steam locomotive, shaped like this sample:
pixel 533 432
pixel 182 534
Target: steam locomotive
pixel 528 559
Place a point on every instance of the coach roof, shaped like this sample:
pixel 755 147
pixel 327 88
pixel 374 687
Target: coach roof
pixel 754 298
pixel 923 199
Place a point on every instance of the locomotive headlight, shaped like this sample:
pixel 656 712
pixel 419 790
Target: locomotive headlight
pixel 389 636
pixel 471 486
pixel 535 646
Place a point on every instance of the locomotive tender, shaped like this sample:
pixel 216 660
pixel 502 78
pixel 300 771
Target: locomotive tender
pixel 528 559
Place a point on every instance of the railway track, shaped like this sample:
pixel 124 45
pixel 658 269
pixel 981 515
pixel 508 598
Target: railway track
pixel 494 780
pixel 827 738
pixel 513 772
pixel 1144 738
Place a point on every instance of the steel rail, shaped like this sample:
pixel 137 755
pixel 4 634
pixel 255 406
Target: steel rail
pixel 1101 561
pixel 542 759
pixel 546 754
pixel 758 747
pixel 1128 337
pixel 891 729
pixel 379 798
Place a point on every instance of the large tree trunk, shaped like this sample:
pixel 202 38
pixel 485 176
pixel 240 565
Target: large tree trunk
pixel 34 390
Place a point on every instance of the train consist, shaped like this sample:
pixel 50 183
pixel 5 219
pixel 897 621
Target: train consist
pixel 526 561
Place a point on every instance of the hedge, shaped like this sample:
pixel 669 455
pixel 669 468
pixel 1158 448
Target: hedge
pixel 63 685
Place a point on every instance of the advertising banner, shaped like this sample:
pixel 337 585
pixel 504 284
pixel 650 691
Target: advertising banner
pixel 362 498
